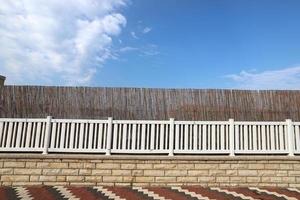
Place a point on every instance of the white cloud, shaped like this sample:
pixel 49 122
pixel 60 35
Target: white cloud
pixel 46 41
pixel 127 49
pixel 134 35
pixel 146 30
pixel 287 78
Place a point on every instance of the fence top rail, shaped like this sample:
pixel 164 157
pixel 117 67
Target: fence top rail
pixel 140 122
pixel 259 123
pixel 146 121
pixel 203 122
pixel 79 121
pixel 22 120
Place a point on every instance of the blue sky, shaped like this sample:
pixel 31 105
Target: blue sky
pixel 243 44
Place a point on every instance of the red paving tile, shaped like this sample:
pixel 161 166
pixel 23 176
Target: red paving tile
pixel 165 193
pixel 38 192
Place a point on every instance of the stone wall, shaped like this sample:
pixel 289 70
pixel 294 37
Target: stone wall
pixel 33 169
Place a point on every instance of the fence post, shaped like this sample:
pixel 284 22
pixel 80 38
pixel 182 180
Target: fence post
pixel 109 135
pixel 47 135
pixel 171 139
pixel 290 136
pixel 231 137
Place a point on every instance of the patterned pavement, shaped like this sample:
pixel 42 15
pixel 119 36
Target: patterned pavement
pixel 139 193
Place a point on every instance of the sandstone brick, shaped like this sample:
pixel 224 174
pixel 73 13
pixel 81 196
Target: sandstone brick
pixel 56 183
pixel 165 179
pixel 28 171
pixel 85 171
pixel 266 173
pixel 25 183
pixel 294 173
pixel 206 179
pixel 101 171
pixel 76 165
pixel 69 171
pixel 82 184
pixel 93 178
pixel 239 166
pixel 187 179
pixel 128 178
pixel 224 166
pixel 290 180
pixel 282 185
pixel 286 166
pixel 256 166
pixel 112 179
pixel 89 165
pixel 75 178
pixel 186 166
pixel 272 166
pixel 296 166
pixel 6 171
pixel 253 179
pixel 271 179
pixel 267 184
pixel 144 166
pixel 164 166
pixel 238 179
pixel 231 172
pixel 175 172
pixel 281 173
pixel 153 172
pixel 60 178
pixel 247 172
pixel 15 178
pixel 198 173
pixel 30 164
pixel 108 166
pixel 123 184
pixel 47 178
pixel 14 164
pixel 137 172
pixel 143 179
pixel 121 172
pixel 222 179
pixel 206 166
pixel 51 171
pixel 216 172
pixel 34 178
pixel 128 166
pixel 52 165
pixel 294 185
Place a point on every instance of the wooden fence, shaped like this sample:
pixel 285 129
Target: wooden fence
pixel 149 137
pixel 145 104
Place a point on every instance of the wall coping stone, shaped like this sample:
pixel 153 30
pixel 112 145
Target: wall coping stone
pixel 142 157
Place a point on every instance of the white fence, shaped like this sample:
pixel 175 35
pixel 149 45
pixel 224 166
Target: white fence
pixel 149 137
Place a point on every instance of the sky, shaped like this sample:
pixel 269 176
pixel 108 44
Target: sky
pixel 231 44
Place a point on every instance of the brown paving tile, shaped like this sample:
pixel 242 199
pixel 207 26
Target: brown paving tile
pixel 38 192
pixel 3 193
pixel 285 192
pixel 89 193
pixel 83 193
pixel 169 193
pixel 207 193
pixel 254 194
pixel 127 193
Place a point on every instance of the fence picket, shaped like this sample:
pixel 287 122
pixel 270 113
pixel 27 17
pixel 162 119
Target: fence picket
pixel 145 136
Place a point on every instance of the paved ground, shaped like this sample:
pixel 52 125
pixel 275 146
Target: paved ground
pixel 161 193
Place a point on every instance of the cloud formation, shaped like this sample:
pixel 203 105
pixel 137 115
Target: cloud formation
pixel 47 41
pixel 146 30
pixel 287 78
